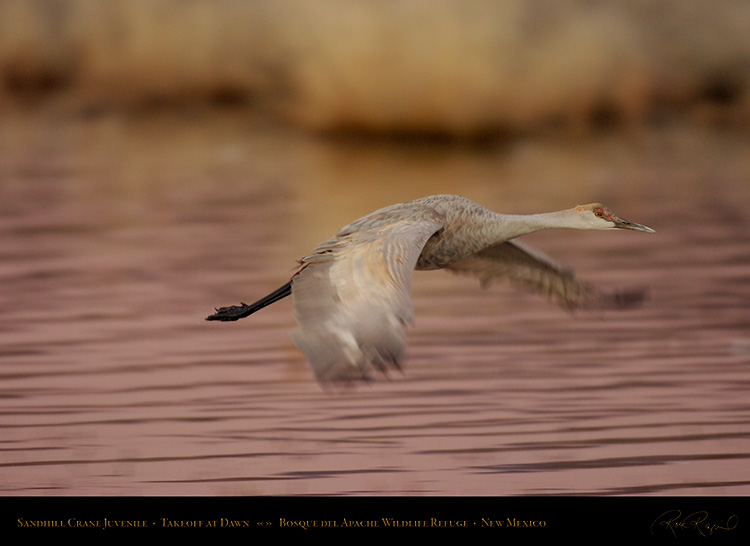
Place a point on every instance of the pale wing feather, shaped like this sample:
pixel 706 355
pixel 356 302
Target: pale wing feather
pixel 352 299
pixel 535 270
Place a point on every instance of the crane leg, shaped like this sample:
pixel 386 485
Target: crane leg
pixel 236 312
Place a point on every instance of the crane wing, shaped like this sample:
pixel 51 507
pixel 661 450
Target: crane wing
pixel 352 298
pixel 533 269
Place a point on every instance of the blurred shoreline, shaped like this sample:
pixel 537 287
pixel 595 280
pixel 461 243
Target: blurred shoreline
pixel 442 67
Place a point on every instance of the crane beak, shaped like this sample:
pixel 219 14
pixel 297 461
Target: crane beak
pixel 624 224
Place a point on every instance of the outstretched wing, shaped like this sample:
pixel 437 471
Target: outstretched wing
pixel 352 298
pixel 535 270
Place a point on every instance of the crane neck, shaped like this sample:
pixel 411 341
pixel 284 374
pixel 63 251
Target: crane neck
pixel 510 226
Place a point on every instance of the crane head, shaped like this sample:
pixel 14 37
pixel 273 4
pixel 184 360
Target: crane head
pixel 597 216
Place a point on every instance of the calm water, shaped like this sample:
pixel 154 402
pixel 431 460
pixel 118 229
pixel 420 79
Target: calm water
pixel 118 237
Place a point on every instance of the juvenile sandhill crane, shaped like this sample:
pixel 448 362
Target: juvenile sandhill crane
pixel 352 299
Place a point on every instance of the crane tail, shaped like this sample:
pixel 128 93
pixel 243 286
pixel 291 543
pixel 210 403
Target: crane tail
pixel 236 312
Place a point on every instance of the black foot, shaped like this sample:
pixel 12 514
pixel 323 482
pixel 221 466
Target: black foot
pixel 233 312
pixel 236 312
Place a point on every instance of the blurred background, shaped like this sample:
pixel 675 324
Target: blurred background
pixel 439 67
pixel 162 157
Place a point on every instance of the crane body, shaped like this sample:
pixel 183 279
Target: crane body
pixel 352 297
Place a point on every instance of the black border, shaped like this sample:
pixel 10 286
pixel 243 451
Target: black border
pixel 664 519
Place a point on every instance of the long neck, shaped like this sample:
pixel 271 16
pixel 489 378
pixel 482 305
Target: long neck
pixel 482 228
pixel 509 226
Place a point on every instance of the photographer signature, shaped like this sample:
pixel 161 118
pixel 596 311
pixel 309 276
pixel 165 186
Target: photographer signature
pixel 674 521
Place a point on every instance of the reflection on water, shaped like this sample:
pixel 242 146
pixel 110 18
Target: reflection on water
pixel 119 237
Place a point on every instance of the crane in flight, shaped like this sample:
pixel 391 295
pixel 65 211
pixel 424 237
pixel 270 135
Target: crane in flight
pixel 351 295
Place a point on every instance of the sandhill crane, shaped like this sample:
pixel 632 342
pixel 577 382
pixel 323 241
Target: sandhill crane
pixel 351 295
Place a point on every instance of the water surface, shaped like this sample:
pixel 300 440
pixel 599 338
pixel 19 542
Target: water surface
pixel 119 236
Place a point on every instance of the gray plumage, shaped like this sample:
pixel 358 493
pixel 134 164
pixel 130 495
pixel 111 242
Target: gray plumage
pixel 352 298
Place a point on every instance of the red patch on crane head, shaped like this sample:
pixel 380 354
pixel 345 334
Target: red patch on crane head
pixel 599 210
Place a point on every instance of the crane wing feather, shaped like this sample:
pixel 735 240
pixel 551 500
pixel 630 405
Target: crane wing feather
pixel 528 267
pixel 352 298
